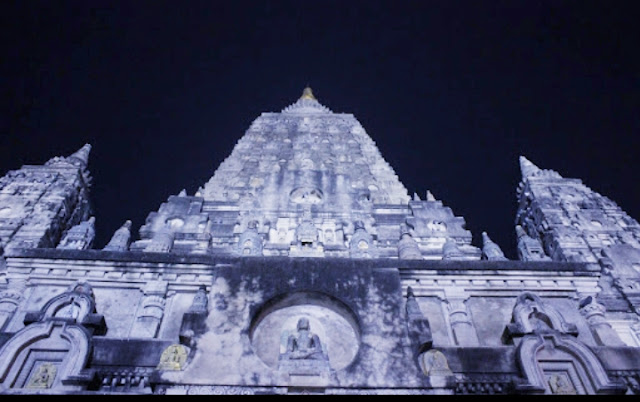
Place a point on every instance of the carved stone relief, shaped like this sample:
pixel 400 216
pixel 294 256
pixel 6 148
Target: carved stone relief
pixel 55 343
pixel 560 364
pixel 173 358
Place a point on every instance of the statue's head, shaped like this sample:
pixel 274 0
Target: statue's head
pixel 303 324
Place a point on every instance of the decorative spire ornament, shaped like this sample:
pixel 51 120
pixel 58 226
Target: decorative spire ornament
pixel 79 237
pixel 81 156
pixel 527 168
pixel 450 250
pixel 120 239
pixel 490 250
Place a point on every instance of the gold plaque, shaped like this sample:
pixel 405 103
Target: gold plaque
pixel 560 384
pixel 434 363
pixel 173 358
pixel 43 376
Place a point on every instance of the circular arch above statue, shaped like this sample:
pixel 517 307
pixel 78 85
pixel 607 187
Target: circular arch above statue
pixel 335 324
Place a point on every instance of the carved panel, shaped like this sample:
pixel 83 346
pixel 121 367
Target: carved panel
pixel 173 358
pixel 42 376
pixel 553 363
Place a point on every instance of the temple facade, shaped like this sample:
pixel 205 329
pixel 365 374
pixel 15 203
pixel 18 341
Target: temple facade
pixel 303 266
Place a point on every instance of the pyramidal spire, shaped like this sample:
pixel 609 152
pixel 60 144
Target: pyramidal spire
pixel 527 167
pixel 81 156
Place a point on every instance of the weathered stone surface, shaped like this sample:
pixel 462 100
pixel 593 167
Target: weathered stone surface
pixel 39 203
pixel 304 182
pixel 303 267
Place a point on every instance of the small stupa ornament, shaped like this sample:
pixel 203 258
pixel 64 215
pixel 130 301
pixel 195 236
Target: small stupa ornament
pixel 307 93
pixel 307 103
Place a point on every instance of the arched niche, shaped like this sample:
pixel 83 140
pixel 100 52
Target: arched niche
pixel 55 344
pixel 333 321
pixel 65 348
pixel 560 364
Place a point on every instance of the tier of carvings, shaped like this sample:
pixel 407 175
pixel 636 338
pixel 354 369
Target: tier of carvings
pixel 484 384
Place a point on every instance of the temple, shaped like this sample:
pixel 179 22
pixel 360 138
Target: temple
pixel 303 266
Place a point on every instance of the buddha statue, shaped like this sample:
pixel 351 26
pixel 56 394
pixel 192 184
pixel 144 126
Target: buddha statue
pixel 305 344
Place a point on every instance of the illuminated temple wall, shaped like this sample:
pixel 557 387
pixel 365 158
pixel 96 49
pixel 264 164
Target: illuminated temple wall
pixel 303 266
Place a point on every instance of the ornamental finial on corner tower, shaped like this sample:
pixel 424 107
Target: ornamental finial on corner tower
pixel 81 156
pixel 527 168
pixel 307 93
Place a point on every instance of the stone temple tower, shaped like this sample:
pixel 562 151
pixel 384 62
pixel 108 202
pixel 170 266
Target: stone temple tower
pixel 571 222
pixel 40 203
pixel 305 182
pixel 304 267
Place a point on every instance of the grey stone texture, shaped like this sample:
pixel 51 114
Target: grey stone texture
pixel 303 267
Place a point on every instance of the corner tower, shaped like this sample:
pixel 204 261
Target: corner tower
pixel 38 204
pixel 571 222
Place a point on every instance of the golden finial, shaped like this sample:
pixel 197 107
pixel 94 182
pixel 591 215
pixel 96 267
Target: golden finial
pixel 307 94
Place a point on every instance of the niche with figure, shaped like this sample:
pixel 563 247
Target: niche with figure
pixel 307 326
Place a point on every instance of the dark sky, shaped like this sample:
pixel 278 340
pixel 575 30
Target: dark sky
pixel 451 91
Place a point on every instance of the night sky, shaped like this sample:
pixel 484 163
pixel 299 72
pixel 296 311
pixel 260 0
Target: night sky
pixel 451 91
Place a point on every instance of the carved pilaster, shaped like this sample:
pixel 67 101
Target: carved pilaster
pixel 601 329
pixel 10 298
pixel 151 311
pixel 464 332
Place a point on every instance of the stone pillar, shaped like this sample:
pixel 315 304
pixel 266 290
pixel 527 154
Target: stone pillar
pixel 10 298
pixel 150 311
pixel 601 329
pixel 464 333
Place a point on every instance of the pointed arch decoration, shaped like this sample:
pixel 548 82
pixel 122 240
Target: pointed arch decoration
pixel 67 347
pixel 552 363
pixel 54 347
